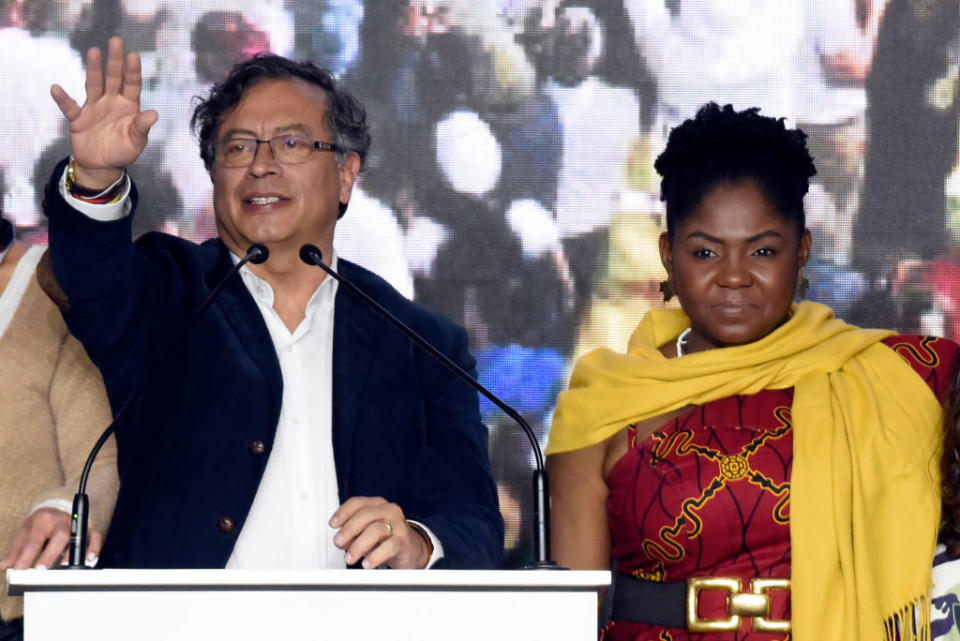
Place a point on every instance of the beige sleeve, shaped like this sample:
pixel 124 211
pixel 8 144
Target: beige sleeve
pixel 81 413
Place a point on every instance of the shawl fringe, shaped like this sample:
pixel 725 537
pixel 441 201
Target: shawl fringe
pixel 909 623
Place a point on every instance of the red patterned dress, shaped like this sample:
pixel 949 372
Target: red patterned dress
pixel 708 494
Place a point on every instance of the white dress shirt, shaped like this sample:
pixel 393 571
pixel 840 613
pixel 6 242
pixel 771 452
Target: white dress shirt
pixel 287 526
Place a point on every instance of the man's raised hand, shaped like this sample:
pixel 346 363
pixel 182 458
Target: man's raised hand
pixel 109 131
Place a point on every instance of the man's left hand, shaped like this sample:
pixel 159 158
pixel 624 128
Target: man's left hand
pixel 377 531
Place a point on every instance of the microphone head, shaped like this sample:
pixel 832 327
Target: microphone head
pixel 311 254
pixel 258 253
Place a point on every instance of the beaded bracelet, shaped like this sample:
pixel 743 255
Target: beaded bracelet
pixel 93 196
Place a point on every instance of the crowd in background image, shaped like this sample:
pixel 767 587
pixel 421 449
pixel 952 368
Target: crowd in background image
pixel 510 183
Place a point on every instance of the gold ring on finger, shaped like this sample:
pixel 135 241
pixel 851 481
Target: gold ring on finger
pixel 389 528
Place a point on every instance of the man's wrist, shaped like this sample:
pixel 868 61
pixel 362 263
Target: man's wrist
pixel 99 190
pixel 116 209
pixel 433 545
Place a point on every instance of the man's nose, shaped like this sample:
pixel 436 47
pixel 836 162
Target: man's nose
pixel 264 159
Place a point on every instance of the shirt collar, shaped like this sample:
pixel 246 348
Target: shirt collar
pixel 262 291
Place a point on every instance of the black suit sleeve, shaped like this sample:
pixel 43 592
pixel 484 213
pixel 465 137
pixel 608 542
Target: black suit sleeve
pixel 466 517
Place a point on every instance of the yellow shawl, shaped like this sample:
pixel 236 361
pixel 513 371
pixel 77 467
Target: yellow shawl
pixel 865 495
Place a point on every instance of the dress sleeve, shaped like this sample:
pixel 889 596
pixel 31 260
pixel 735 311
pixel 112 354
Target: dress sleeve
pixel 931 357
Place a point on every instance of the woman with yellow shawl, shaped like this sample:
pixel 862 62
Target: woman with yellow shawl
pixel 757 469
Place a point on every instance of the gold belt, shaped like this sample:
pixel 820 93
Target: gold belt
pixel 754 604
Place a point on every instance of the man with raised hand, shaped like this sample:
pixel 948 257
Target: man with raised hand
pixel 290 426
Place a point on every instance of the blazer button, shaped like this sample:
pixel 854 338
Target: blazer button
pixel 226 524
pixel 257 447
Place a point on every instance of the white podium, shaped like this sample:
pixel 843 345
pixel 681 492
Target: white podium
pixel 241 605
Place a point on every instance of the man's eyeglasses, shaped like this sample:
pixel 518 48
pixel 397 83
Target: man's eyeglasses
pixel 288 149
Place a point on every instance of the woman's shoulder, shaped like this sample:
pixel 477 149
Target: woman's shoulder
pixel 933 358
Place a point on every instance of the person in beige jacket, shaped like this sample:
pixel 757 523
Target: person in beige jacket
pixel 54 409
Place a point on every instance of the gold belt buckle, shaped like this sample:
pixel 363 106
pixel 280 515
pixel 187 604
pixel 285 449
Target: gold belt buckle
pixel 761 623
pixel 754 604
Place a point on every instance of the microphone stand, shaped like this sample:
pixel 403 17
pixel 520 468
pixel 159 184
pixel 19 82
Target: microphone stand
pixel 312 255
pixel 79 517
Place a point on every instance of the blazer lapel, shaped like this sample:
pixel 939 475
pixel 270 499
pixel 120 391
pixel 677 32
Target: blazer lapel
pixel 356 335
pixel 244 317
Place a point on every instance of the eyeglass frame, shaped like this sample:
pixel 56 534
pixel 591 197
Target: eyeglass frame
pixel 318 145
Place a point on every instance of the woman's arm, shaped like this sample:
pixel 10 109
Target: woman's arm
pixel 580 535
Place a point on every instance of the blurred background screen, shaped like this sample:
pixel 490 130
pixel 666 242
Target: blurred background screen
pixel 511 185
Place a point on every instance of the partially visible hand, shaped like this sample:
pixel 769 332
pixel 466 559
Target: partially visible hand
pixel 109 131
pixel 365 533
pixel 845 68
pixel 42 540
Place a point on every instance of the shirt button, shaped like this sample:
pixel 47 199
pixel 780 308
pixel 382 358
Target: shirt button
pixel 257 447
pixel 226 525
pixel 288 348
pixel 295 420
pixel 303 497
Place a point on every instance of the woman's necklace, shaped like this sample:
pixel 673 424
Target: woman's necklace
pixel 682 340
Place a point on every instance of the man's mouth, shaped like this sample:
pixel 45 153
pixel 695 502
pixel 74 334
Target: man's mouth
pixel 263 200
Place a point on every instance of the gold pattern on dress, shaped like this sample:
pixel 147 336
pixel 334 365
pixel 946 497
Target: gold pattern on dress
pixel 734 467
pixel 657 574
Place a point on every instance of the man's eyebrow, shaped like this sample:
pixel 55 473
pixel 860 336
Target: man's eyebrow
pixel 297 127
pixel 235 132
pixel 247 133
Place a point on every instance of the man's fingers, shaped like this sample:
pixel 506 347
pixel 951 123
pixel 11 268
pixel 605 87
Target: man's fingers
pixel 56 544
pixel 362 519
pixel 68 106
pixel 114 77
pixel 375 535
pixel 353 505
pixel 94 80
pixel 382 553
pixel 132 77
pixel 141 124
pixel 376 531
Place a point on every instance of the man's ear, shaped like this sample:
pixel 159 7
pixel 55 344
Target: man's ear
pixel 349 170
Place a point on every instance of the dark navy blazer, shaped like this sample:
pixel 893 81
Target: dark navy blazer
pixel 190 459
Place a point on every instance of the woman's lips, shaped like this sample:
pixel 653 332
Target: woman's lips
pixel 733 309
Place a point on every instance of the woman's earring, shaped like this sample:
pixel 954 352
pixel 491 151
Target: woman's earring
pixel 666 288
pixel 802 285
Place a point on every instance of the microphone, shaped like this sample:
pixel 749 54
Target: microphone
pixel 312 255
pixel 256 254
